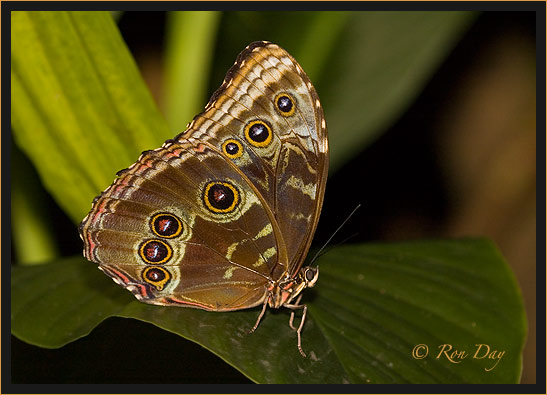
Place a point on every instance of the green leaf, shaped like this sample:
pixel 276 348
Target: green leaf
pixel 372 305
pixel 383 61
pixel 320 40
pixel 80 109
pixel 31 223
pixel 189 51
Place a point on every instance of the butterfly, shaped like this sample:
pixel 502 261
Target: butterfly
pixel 222 216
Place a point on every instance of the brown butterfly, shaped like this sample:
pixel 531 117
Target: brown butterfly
pixel 222 216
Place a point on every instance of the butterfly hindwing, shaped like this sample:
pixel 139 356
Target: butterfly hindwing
pixel 181 211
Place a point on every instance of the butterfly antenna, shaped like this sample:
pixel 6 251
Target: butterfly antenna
pixel 334 234
pixel 337 244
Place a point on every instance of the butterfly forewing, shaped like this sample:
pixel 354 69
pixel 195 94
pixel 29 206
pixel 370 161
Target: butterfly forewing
pixel 266 87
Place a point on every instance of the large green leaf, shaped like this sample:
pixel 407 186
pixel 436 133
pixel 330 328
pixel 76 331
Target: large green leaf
pixel 80 109
pixel 372 306
pixel 380 67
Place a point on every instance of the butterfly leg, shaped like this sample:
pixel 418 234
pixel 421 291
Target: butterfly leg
pixel 260 316
pixel 297 303
pixel 298 330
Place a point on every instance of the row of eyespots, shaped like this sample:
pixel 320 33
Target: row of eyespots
pixel 219 197
pixel 258 133
pixel 156 251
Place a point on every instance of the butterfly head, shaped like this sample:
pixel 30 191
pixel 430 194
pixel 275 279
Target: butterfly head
pixel 282 293
pixel 309 275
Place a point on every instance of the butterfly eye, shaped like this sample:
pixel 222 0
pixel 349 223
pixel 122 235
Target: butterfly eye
pixel 220 197
pixel 258 133
pixel 285 104
pixel 310 275
pixel 155 251
pixel 157 276
pixel 232 148
pixel 166 225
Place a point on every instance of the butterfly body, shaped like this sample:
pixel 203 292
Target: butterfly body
pixel 222 216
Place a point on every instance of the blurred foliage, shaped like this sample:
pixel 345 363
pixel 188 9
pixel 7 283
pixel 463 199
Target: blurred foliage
pixel 188 59
pixel 76 90
pixel 366 66
pixel 30 227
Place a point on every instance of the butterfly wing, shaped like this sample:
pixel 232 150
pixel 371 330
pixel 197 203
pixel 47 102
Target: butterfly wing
pixel 267 89
pixel 183 226
pixel 212 217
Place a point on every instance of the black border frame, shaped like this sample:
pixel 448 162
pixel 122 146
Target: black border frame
pixel 539 7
